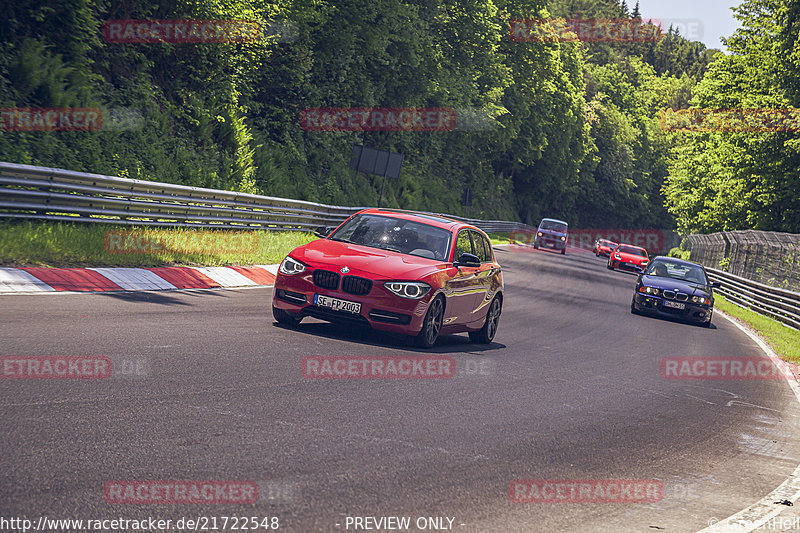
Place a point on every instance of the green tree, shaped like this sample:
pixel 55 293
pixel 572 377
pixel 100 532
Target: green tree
pixel 739 180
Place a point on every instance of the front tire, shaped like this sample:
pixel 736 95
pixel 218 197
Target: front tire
pixel 634 311
pixel 282 317
pixel 486 334
pixel 610 266
pixel 563 251
pixel 432 324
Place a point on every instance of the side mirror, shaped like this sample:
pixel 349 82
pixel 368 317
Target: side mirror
pixel 715 285
pixel 323 231
pixel 469 260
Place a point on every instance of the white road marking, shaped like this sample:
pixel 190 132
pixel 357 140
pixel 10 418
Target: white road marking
pixel 135 279
pixel 758 514
pixel 226 277
pixel 16 280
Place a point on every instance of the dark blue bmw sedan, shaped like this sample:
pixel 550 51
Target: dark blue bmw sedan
pixel 675 288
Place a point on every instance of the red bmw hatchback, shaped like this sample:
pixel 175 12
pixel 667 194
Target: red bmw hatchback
pixel 396 271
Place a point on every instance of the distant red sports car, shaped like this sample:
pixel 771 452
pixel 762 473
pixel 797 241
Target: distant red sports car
pixel 396 271
pixel 603 247
pixel 628 257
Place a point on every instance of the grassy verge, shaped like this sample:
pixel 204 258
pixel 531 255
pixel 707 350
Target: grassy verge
pixel 785 341
pixel 33 243
pixel 498 238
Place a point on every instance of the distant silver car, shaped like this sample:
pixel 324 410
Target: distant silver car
pixel 552 233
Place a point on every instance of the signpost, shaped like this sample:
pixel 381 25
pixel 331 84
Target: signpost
pixel 466 201
pixel 378 163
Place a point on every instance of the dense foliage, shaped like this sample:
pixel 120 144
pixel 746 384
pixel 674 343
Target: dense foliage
pixel 740 180
pixel 573 130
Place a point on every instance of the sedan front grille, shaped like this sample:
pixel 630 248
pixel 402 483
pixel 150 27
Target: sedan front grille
pixel 672 295
pixel 356 285
pixel 326 279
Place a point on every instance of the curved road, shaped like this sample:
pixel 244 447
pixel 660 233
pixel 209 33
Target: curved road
pixel 571 390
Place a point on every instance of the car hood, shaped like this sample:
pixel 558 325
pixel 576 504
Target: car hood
pixel 670 284
pixel 633 258
pixel 363 260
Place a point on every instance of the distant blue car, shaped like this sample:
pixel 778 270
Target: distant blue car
pixel 552 233
pixel 675 288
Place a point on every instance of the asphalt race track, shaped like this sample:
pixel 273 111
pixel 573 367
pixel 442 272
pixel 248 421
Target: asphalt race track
pixel 570 390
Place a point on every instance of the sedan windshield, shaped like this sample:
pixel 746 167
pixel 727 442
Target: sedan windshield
pixel 402 236
pixel 633 251
pixel 553 226
pixel 675 270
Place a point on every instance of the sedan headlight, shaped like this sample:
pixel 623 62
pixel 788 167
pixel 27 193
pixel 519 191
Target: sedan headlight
pixel 701 300
pixel 539 234
pixel 291 266
pixel 649 290
pixel 563 238
pixel 616 256
pixel 413 290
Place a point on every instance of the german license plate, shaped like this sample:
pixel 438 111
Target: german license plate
pixel 674 305
pixel 336 304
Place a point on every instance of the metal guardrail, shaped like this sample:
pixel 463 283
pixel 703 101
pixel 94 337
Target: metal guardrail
pixel 55 194
pixel 780 304
pixel 768 257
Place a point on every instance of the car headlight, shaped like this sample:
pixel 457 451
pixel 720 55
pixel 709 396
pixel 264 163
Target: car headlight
pixel 649 290
pixel 291 266
pixel 616 256
pixel 413 290
pixel 701 300
pixel 563 238
pixel 539 234
pixel 645 261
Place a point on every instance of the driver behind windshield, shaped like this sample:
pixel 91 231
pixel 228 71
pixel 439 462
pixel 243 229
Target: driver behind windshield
pixel 660 270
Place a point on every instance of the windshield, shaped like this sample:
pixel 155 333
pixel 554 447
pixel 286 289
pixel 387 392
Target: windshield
pixel 675 270
pixel 389 233
pixel 609 244
pixel 553 226
pixel 632 250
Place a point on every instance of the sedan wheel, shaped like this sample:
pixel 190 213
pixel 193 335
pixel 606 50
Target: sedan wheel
pixel 486 334
pixel 432 323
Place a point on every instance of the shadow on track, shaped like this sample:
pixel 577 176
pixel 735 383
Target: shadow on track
pixel 158 297
pixel 447 344
pixel 674 320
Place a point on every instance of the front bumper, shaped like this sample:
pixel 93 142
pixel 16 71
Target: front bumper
pixel 551 242
pixel 380 309
pixel 624 265
pixel 697 313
